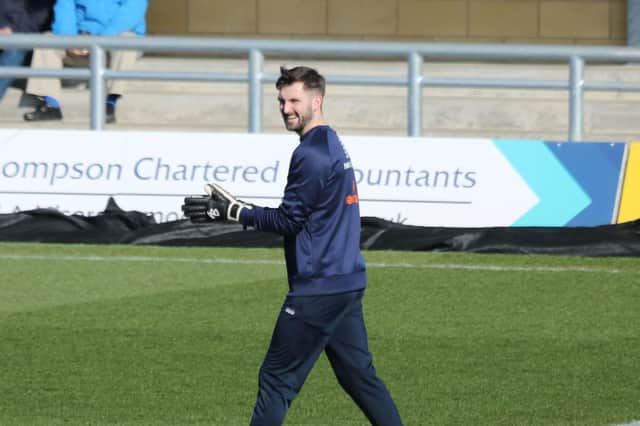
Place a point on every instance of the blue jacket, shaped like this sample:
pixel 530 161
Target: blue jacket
pixel 99 17
pixel 319 218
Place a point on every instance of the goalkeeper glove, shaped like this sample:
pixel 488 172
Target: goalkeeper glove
pixel 218 204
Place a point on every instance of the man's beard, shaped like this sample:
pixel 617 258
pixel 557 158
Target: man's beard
pixel 299 123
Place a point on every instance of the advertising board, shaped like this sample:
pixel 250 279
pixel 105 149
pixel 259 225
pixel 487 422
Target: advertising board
pixel 419 181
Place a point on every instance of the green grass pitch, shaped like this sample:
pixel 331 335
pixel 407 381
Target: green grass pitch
pixel 130 335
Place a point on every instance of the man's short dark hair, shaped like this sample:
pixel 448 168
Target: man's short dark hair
pixel 310 77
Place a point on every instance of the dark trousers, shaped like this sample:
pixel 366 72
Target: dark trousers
pixel 306 326
pixel 10 58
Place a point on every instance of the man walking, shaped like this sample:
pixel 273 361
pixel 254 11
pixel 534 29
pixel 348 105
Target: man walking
pixel 319 218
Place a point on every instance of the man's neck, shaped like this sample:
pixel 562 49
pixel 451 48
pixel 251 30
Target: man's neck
pixel 311 126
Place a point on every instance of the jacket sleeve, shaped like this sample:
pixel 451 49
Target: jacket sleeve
pixel 4 15
pixel 128 15
pixel 307 177
pixel 12 14
pixel 40 14
pixel 64 18
pixel 23 19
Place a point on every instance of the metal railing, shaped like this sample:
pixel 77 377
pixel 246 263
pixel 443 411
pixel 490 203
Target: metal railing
pixel 255 50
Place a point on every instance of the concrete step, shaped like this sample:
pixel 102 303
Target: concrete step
pixel 212 106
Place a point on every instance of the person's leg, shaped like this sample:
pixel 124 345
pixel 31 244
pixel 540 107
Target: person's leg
pixel 47 89
pixel 348 353
pixel 119 60
pixel 46 58
pixel 301 333
pixel 295 346
pixel 10 58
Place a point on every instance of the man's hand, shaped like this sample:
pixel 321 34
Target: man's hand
pixel 6 30
pixel 218 204
pixel 78 52
pixel 202 208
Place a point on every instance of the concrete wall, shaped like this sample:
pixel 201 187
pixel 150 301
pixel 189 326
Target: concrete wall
pixel 594 22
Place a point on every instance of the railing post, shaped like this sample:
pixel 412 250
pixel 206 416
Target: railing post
pixel 256 64
pixel 414 110
pixel 576 99
pixel 97 61
pixel 97 86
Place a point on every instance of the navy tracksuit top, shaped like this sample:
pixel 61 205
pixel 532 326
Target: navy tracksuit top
pixel 319 218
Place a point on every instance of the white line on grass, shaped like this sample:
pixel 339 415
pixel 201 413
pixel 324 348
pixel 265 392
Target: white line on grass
pixel 406 265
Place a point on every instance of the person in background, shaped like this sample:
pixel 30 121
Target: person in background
pixel 86 17
pixel 21 16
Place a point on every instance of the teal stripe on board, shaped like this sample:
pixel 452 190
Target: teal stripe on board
pixel 561 198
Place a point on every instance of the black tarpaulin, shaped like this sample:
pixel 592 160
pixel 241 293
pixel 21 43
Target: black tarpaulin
pixel 116 226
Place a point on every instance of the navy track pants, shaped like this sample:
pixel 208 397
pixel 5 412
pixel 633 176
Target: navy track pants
pixel 306 326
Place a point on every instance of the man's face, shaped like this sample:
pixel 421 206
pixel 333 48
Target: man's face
pixel 298 106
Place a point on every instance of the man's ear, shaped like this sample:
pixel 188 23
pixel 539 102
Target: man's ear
pixel 317 102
